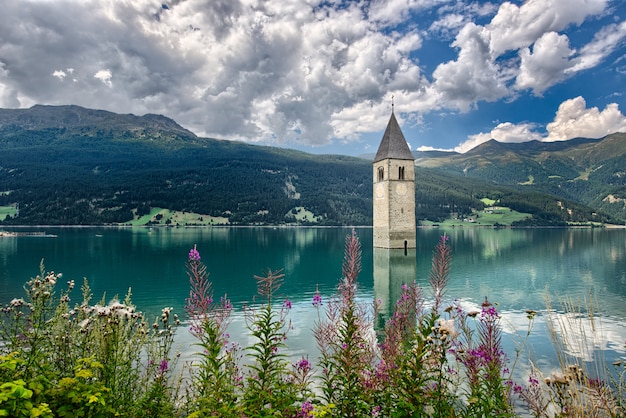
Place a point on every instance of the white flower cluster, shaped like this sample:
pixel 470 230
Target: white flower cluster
pixel 447 328
pixel 16 303
pixel 113 309
pixel 43 287
pixel 113 312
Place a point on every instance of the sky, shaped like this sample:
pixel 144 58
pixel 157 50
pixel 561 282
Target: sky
pixel 323 76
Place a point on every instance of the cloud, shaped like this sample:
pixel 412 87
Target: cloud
pixel 391 12
pixel 573 119
pixel 504 132
pixel 546 64
pixel 483 73
pixel 453 16
pixel 551 59
pixel 8 94
pixel 473 76
pixel 104 76
pixel 515 27
pixel 604 42
pixel 291 71
pixel 60 74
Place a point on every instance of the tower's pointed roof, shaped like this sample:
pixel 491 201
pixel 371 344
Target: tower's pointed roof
pixel 393 144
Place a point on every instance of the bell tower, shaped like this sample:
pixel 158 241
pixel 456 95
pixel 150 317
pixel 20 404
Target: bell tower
pixel 394 191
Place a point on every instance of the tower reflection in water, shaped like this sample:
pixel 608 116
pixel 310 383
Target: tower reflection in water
pixel 392 269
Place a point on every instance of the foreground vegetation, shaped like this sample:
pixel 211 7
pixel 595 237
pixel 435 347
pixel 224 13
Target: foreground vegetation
pixel 432 358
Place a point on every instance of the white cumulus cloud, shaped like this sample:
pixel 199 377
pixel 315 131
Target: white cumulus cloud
pixel 515 27
pixel 104 76
pixel 573 119
pixel 474 75
pixel 504 132
pixel 304 72
pixel 546 64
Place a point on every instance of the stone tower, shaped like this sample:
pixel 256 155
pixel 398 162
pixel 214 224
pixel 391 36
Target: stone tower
pixel 394 191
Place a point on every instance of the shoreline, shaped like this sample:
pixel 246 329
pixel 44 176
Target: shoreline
pixel 4 233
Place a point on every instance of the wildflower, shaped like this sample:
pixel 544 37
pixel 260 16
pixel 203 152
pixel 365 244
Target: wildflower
pixel 595 383
pixel 446 327
pixel 351 265
pixel 51 278
pixel 287 304
pixel 303 365
pixel 194 255
pixel 317 298
pixel 199 302
pixel 306 410
pixel 163 366
pixel 225 303
pixel 440 269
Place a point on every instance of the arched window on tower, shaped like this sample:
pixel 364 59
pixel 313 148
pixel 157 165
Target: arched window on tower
pixel 401 173
pixel 381 173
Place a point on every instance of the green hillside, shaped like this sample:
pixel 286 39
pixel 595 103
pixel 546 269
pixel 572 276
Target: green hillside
pixel 76 166
pixel 588 172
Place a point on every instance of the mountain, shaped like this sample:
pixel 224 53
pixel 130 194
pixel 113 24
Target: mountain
pixel 77 166
pixel 590 172
pixel 71 165
pixel 90 122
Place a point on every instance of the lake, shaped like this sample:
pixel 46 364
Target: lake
pixel 515 268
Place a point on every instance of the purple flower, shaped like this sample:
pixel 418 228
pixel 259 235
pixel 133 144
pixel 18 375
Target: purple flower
pixel 163 366
pixel 194 255
pixel 303 365
pixel 306 410
pixel 287 304
pixel 317 300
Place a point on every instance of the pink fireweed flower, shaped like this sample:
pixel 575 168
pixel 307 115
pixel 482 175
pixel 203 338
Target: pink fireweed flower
pixel 317 297
pixel 306 410
pixel 440 270
pixel 194 255
pixel 200 299
pixel 225 303
pixel 287 304
pixel 303 365
pixel 351 266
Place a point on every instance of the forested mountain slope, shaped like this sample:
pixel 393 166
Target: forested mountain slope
pixel 591 172
pixel 71 165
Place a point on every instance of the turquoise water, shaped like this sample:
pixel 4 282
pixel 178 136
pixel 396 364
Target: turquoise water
pixel 516 268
